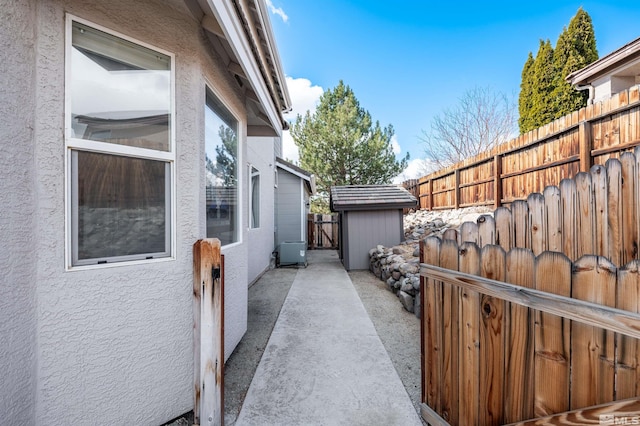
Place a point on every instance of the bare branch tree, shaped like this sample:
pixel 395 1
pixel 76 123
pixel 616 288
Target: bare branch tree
pixel 481 120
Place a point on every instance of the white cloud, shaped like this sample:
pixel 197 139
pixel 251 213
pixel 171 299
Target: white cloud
pixel 304 97
pixel 395 145
pixel 416 169
pixel 277 11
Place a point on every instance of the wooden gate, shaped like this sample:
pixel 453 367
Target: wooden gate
pixel 208 332
pixel 322 231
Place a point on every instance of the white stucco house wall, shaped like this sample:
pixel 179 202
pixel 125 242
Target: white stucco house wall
pixel 130 129
pixel 611 74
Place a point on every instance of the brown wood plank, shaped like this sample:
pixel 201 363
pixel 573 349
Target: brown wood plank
pixel 210 330
pixel 520 218
pixel 451 234
pixel 629 231
pixel 614 413
pixel 613 231
pixel 432 331
pixel 552 337
pixel 504 228
pixel 585 216
pixel 601 210
pixel 592 314
pixel 450 353
pixel 518 389
pixel 469 384
pixel 486 230
pixel 469 232
pixel 568 202
pixel 628 359
pixel 592 348
pixel 553 218
pixel 492 340
pixel 536 223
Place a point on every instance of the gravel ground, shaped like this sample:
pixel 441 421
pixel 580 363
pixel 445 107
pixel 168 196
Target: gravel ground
pixel 398 329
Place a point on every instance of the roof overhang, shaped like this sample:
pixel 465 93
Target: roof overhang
pixel 370 197
pixel 624 61
pixel 240 32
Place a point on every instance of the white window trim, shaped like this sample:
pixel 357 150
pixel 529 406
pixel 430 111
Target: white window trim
pixel 250 190
pixel 72 144
pixel 241 142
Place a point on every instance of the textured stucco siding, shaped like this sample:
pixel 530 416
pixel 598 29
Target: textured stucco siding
pixel 261 156
pixel 17 220
pixel 114 344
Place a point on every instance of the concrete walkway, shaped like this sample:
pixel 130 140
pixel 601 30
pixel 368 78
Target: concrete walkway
pixel 324 363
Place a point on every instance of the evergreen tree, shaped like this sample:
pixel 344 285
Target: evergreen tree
pixel 340 145
pixel 525 98
pixel 543 79
pixel 575 49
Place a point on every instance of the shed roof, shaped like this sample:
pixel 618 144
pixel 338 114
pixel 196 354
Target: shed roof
pixel 370 197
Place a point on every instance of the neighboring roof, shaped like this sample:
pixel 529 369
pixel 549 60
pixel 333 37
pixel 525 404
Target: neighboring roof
pixel 370 197
pixel 308 177
pixel 628 53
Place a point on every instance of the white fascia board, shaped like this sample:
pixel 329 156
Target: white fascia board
pixel 293 172
pixel 225 13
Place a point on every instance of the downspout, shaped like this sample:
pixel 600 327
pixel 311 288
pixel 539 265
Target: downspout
pixel 590 88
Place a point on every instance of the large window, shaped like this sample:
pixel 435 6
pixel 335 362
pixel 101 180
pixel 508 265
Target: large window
pixel 221 169
pixel 254 198
pixel 119 142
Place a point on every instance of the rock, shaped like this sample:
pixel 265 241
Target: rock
pixel 406 300
pixel 416 252
pixel 396 275
pixel 417 309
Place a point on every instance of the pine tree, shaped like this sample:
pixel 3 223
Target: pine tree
pixel 340 145
pixel 525 98
pixel 543 84
pixel 575 49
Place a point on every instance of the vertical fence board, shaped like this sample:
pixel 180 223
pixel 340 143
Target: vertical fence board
pixel 432 320
pixel 518 389
pixel 569 203
pixel 451 234
pixel 585 216
pixel 486 230
pixel 553 218
pixel 208 331
pixel 601 211
pixel 492 349
pixel 629 231
pixel 450 307
pixel 469 232
pixel 628 358
pixel 614 211
pixel 536 222
pixel 520 218
pixel 504 228
pixel 469 384
pixel 552 337
pixel 592 349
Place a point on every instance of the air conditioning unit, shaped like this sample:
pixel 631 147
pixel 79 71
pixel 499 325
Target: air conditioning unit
pixel 292 253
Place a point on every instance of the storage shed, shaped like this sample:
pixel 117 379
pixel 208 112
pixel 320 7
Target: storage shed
pixel 368 215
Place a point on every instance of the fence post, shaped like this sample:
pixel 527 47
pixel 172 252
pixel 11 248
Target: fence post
pixel 456 190
pixel 208 332
pixel 430 194
pixel 586 144
pixel 497 182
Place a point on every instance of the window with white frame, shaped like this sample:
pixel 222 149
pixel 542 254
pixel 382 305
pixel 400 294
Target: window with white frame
pixel 254 198
pixel 120 150
pixel 221 171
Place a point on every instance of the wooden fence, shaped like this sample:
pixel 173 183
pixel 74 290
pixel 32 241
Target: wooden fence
pixel 527 313
pixel 539 158
pixel 322 231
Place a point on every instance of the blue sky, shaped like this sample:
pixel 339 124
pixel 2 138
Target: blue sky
pixel 408 61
